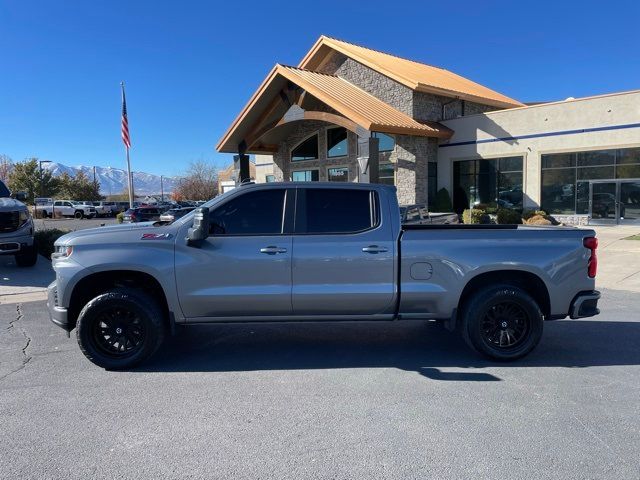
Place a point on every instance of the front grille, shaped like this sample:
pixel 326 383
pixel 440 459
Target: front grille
pixel 9 221
pixel 9 247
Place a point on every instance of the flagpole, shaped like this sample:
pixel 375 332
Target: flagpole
pixel 129 177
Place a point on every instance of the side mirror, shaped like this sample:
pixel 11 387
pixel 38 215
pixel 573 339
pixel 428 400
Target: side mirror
pixel 200 229
pixel 21 196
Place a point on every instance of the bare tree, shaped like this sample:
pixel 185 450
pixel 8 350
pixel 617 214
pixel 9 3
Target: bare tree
pixel 6 165
pixel 199 183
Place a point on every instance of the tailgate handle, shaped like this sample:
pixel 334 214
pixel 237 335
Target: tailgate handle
pixel 272 250
pixel 374 249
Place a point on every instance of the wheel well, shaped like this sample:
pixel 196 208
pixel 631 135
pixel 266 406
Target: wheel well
pixel 95 284
pixel 529 282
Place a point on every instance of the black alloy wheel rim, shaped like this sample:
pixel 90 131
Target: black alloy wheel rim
pixel 119 332
pixel 505 325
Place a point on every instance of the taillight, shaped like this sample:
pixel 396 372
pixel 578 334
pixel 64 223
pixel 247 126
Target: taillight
pixel 592 244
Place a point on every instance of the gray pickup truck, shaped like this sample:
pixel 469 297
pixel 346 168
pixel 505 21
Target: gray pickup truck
pixel 316 252
pixel 16 228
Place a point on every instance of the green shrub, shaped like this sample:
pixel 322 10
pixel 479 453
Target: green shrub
pixel 46 238
pixel 527 214
pixel 443 201
pixel 474 215
pixel 120 217
pixel 506 216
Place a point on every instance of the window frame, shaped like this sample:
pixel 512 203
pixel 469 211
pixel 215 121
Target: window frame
pixel 288 212
pixel 317 135
pixel 266 178
pixel 326 137
pixel 301 204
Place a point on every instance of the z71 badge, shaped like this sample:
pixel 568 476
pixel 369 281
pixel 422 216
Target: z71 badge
pixel 156 236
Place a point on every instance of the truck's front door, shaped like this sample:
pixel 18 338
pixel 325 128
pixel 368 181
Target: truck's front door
pixel 343 254
pixel 244 268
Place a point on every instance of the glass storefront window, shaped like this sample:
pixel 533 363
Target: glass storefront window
pixel 337 145
pixel 386 143
pixel 305 176
pixel 270 178
pixel 386 173
pixel 432 183
pixel 306 150
pixel 566 190
pixel 340 174
pixel 492 181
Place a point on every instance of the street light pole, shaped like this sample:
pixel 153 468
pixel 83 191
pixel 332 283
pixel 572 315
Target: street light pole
pixel 161 190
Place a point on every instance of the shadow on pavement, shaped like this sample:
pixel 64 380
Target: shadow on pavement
pixel 411 346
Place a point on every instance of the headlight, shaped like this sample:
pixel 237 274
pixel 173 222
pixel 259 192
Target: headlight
pixel 24 217
pixel 62 251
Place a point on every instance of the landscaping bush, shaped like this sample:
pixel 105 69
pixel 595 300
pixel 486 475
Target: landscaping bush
pixel 120 217
pixel 527 214
pixel 474 215
pixel 541 220
pixel 507 216
pixel 443 201
pixel 46 238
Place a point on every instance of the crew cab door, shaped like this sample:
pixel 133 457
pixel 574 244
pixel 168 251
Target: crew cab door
pixel 243 269
pixel 343 253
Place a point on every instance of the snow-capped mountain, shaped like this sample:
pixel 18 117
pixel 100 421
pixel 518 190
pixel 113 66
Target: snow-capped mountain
pixel 113 181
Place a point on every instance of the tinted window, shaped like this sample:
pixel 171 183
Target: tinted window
pixel 338 174
pixel 305 176
pixel 307 150
pixel 337 142
pixel 254 213
pixel 4 191
pixel 334 211
pixel 386 143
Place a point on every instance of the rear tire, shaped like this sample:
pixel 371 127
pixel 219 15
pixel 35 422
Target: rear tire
pixel 502 322
pixel 120 329
pixel 29 257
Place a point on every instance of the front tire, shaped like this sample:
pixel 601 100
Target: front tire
pixel 78 214
pixel 502 322
pixel 29 257
pixel 120 329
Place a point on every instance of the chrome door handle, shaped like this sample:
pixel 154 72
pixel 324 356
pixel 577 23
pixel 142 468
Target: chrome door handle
pixel 374 249
pixel 272 250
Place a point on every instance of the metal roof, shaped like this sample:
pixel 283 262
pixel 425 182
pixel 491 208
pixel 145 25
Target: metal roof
pixel 415 75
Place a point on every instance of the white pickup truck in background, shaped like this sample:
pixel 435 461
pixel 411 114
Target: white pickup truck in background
pixel 68 208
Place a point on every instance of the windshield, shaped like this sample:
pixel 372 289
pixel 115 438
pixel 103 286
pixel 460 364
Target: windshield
pixel 4 191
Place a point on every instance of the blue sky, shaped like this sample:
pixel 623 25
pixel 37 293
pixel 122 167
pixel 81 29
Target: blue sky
pixel 190 66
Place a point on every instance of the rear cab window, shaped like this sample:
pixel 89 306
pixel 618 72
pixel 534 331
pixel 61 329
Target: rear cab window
pixel 336 211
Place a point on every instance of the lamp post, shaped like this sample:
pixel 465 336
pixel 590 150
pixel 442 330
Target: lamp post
pixel 161 190
pixel 35 206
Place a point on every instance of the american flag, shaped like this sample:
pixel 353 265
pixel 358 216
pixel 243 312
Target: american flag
pixel 125 123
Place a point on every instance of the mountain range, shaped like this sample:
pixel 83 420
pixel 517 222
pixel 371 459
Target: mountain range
pixel 113 181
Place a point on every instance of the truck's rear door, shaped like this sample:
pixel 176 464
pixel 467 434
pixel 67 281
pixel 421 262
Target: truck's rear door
pixel 343 253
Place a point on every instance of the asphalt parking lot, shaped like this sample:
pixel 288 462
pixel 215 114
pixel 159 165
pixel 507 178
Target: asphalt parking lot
pixel 404 400
pixel 371 400
pixel 72 223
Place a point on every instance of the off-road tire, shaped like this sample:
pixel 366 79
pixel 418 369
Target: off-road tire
pixel 29 257
pixel 126 311
pixel 516 315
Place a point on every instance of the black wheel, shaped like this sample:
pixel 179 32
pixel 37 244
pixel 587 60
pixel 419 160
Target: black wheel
pixel 78 214
pixel 502 322
pixel 28 257
pixel 120 329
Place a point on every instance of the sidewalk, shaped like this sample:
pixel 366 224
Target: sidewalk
pixel 24 284
pixel 618 259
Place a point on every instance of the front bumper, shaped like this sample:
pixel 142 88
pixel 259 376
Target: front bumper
pixel 57 314
pixel 14 242
pixel 585 304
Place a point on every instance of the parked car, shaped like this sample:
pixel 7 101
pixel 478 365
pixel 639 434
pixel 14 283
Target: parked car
pixel 68 208
pixel 141 214
pixel 420 215
pixel 16 228
pixel 322 252
pixel 105 209
pixel 175 213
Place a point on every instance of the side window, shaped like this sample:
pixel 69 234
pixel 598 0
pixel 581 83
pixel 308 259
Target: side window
pixel 413 213
pixel 336 210
pixel 253 213
pixel 68 204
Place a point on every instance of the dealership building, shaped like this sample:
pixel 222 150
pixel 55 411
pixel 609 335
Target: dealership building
pixel 349 113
